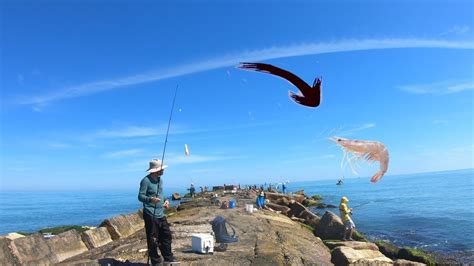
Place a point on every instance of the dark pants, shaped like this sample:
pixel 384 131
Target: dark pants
pixel 158 235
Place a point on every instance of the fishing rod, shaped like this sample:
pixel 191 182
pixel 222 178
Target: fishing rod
pixel 162 160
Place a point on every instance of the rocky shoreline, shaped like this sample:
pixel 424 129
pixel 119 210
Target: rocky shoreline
pixel 291 236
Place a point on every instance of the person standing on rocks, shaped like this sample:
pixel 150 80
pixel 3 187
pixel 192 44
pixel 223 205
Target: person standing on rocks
pixel 346 213
pixel 158 234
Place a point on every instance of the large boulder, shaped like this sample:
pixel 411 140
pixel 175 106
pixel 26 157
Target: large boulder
pixel 310 218
pixel 7 252
pixel 296 209
pixel 123 225
pixel 283 209
pixel 66 245
pixel 96 237
pixel 33 250
pixel 282 201
pixel 417 255
pixel 329 227
pixel 388 249
pixel 273 196
pixel 348 256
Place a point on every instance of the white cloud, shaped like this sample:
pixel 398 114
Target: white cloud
pixel 232 60
pixel 358 128
pixel 124 153
pixel 443 87
pixel 129 132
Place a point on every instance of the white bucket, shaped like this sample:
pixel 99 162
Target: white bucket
pixel 249 208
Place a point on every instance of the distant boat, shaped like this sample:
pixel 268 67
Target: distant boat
pixel 339 182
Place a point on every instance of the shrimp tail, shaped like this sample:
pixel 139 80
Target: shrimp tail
pixel 376 177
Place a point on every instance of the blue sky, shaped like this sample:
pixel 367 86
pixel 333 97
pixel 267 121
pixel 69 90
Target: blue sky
pixel 86 89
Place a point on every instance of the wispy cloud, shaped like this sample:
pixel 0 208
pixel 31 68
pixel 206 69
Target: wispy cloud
pixel 342 131
pixel 457 30
pixel 129 132
pixel 124 153
pixel 231 60
pixel 443 87
pixel 357 128
pixel 175 159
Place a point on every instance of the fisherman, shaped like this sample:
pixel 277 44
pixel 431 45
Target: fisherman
pixel 283 188
pixel 346 219
pixel 192 190
pixel 260 202
pixel 156 225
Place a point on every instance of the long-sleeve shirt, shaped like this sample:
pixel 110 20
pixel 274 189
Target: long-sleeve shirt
pixel 345 212
pixel 148 189
pixel 260 202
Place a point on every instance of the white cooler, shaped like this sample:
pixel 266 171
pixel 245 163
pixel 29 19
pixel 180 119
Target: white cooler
pixel 203 243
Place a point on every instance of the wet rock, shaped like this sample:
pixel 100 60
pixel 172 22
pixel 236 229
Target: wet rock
pixel 351 244
pixel 401 262
pixel 417 255
pixel 388 249
pixel 309 203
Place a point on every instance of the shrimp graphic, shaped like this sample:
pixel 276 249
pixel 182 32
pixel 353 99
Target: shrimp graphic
pixel 368 150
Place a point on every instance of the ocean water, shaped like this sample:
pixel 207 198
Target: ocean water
pixel 33 211
pixel 434 211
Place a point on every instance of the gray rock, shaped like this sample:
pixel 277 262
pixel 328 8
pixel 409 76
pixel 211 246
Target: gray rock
pixel 296 209
pixel 330 227
pixel 66 245
pixel 283 202
pixel 33 250
pixel 348 256
pixel 123 225
pixel 8 253
pixel 96 237
pixel 283 209
pixel 310 218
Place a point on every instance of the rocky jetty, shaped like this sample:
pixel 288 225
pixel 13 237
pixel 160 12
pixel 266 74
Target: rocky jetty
pixel 291 235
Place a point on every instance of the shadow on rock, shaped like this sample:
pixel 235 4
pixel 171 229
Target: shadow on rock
pixel 113 262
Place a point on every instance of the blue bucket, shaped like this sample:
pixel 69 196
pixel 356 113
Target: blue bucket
pixel 231 204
